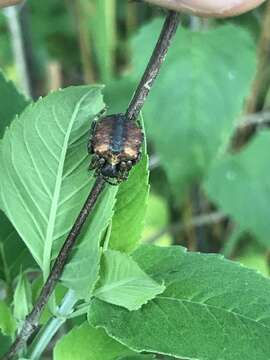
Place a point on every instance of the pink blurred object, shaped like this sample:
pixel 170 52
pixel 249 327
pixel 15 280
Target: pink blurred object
pixel 210 8
pixel 4 3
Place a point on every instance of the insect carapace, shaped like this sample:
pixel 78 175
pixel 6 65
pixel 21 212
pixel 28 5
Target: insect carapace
pixel 115 145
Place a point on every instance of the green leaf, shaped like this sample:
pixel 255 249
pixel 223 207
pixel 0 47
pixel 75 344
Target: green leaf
pixel 81 273
pixel 7 322
pixel 14 256
pixel 123 283
pixel 240 185
pixel 197 97
pixel 22 298
pixel 12 103
pixel 86 343
pixel 212 309
pixel 130 209
pixel 44 159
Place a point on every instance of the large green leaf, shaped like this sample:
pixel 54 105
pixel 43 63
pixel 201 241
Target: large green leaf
pixel 198 96
pixel 240 185
pixel 12 103
pixel 86 343
pixel 123 282
pixel 44 161
pixel 212 309
pixel 130 209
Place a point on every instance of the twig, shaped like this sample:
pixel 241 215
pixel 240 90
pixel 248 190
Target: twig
pixel 18 48
pixel 263 61
pixel 85 47
pixel 153 67
pixel 206 219
pixel 151 72
pixel 46 334
pixel 31 321
pixel 256 119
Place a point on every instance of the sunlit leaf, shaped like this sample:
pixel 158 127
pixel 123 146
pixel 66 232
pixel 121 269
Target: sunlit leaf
pixel 124 283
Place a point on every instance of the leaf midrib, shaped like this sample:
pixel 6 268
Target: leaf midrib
pixel 57 189
pixel 124 283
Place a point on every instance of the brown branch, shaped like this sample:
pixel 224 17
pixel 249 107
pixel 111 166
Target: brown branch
pixel 31 321
pixel 153 67
pixel 151 72
pixel 263 62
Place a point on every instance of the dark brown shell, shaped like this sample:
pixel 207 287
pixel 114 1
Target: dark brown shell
pixel 117 139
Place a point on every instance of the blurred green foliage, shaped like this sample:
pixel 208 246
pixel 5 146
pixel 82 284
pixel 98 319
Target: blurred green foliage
pixel 190 118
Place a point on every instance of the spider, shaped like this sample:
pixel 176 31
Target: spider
pixel 115 145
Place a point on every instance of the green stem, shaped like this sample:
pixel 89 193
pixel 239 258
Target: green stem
pixel 45 335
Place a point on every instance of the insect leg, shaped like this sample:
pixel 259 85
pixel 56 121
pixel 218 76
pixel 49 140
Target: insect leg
pixel 94 162
pixel 90 141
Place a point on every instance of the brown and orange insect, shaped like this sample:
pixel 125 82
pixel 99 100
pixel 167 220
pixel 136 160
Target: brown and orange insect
pixel 115 144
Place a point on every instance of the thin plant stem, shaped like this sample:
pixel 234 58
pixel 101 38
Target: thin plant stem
pixel 154 65
pixel 44 337
pixel 136 104
pixel 18 48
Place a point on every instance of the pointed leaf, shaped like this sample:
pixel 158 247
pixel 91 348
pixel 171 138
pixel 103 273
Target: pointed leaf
pixel 22 298
pixel 123 283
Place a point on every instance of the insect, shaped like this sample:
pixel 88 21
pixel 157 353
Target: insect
pixel 115 144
